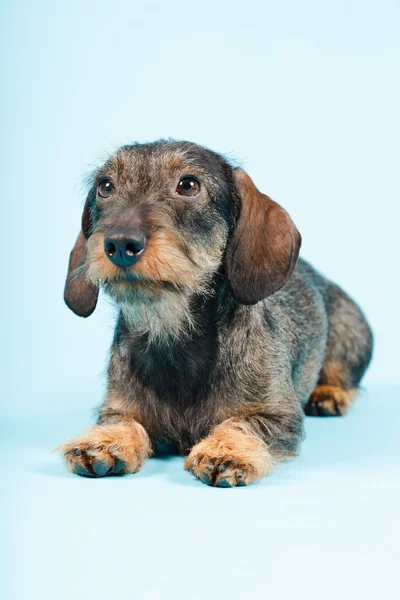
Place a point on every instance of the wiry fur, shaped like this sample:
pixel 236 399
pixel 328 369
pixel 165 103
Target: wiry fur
pixel 223 339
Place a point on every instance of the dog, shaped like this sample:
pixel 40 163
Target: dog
pixel 225 338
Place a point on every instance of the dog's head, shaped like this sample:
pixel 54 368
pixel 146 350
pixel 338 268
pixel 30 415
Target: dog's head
pixel 166 218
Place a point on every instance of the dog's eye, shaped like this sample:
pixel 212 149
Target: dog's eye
pixel 105 188
pixel 188 186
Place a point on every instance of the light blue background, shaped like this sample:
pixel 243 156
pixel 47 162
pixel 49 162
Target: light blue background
pixel 306 96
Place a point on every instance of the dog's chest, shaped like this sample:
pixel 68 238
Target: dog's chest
pixel 177 375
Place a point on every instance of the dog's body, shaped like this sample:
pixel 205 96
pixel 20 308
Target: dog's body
pixel 222 342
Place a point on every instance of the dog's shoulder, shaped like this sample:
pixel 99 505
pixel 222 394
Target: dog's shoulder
pixel 300 304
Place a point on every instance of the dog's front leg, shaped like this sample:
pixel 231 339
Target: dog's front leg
pixel 118 445
pixel 243 449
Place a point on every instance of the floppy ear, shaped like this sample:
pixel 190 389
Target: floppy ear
pixel 263 248
pixel 80 295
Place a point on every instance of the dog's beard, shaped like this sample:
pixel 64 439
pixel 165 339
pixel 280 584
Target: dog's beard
pixel 157 300
pixel 162 312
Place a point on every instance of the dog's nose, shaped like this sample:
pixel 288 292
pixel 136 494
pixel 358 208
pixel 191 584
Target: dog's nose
pixel 123 246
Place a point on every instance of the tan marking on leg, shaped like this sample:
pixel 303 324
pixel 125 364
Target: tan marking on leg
pixel 329 401
pixel 231 455
pixel 122 448
pixel 333 374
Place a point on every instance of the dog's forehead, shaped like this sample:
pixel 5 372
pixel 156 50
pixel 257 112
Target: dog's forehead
pixel 156 163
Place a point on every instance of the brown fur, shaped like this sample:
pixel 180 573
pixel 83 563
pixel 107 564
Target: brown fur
pixel 124 445
pixel 263 251
pixel 79 292
pixel 163 261
pixel 334 374
pixel 231 455
pixel 329 400
pixel 99 267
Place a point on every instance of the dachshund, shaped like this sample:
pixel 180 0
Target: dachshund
pixel 224 338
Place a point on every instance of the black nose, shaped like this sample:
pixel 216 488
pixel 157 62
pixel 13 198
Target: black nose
pixel 124 246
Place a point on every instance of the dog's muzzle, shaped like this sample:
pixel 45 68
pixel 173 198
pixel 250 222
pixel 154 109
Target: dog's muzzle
pixel 124 246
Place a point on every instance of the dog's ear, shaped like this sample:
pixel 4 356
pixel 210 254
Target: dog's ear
pixel 263 248
pixel 80 294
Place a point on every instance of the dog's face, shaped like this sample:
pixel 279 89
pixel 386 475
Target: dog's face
pixel 158 218
pixel 162 219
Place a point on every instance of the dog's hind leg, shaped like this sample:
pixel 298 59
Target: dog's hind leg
pixel 329 401
pixel 348 354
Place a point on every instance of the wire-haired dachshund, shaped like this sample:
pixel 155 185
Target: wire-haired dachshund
pixel 224 339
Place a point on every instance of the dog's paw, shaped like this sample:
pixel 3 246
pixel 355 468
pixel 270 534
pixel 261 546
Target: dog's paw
pixel 107 450
pixel 329 401
pixel 229 457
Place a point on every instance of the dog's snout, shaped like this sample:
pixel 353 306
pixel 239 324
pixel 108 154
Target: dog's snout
pixel 124 247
